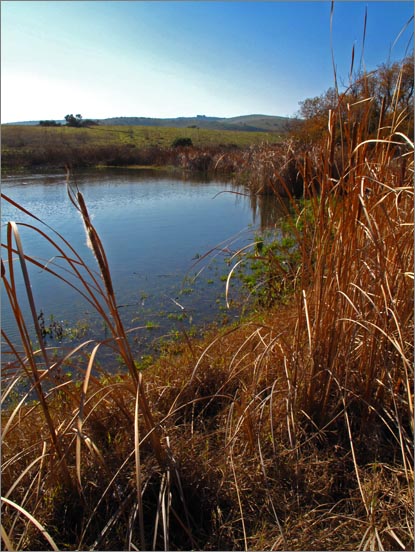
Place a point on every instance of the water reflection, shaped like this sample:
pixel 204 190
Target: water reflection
pixel 268 210
pixel 154 226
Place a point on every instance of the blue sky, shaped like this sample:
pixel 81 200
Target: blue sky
pixel 169 59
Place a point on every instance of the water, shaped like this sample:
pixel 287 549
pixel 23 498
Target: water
pixel 157 231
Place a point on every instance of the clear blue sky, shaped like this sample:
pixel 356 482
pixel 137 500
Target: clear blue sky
pixel 168 59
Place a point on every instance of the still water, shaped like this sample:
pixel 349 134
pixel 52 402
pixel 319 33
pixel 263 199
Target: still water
pixel 167 240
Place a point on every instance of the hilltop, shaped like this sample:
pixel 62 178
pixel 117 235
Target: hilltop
pixel 252 123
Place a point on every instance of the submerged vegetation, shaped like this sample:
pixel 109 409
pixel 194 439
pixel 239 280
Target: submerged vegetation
pixel 292 430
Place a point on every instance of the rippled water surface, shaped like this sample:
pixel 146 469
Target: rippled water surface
pixel 154 228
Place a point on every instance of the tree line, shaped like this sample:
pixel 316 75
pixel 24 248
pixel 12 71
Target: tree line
pixel 72 121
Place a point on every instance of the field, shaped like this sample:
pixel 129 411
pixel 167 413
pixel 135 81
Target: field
pixel 35 146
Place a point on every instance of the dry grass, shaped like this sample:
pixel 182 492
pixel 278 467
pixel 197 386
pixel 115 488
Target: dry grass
pixel 36 147
pixel 292 431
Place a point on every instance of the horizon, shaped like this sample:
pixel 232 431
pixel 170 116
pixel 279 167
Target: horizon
pixel 61 120
pixel 179 59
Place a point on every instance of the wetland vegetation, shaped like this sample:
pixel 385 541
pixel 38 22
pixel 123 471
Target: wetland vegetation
pixel 290 430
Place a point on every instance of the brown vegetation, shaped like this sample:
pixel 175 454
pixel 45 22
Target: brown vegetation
pixel 291 431
pixel 379 96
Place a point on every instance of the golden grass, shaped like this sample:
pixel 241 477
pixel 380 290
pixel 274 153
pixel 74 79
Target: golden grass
pixel 293 430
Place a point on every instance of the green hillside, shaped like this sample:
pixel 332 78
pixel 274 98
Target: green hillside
pixel 251 123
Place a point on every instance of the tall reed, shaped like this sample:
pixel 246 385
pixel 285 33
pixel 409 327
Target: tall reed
pixel 348 358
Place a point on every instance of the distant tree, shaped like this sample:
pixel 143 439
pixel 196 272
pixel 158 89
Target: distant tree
pixel 89 123
pixel 78 122
pixel 49 123
pixel 73 121
pixel 314 115
pixel 318 106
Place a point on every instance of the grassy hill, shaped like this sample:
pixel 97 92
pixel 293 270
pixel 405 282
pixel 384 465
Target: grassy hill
pixel 251 123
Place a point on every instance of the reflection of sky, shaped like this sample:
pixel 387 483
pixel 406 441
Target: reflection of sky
pixel 152 230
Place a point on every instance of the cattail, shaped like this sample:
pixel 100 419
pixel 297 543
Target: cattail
pixel 95 244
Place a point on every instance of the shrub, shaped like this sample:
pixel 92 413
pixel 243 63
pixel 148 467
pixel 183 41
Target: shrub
pixel 182 142
pixel 49 123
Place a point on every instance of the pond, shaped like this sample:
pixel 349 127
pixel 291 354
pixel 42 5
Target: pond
pixel 167 239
